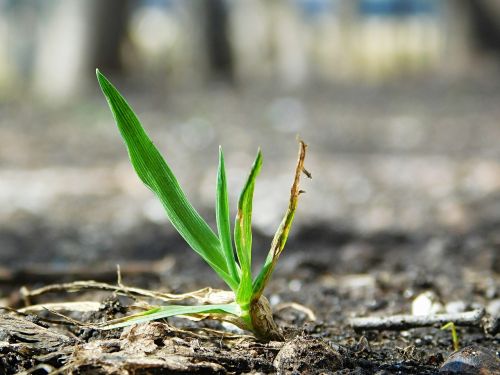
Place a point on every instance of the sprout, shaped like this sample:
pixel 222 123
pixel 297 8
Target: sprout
pixel 246 306
pixel 454 335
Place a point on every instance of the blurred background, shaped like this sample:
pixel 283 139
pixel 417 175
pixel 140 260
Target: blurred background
pixel 397 99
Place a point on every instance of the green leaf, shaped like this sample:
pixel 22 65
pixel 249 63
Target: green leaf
pixel 172 310
pixel 283 231
pixel 243 233
pixel 223 220
pixel 156 174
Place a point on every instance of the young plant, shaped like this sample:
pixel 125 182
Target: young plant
pixel 245 306
pixel 454 335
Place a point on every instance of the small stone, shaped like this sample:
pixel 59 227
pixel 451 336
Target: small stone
pixel 305 355
pixel 471 360
pixel 295 285
pixel 274 299
pixel 426 304
pixel 492 325
pixel 493 308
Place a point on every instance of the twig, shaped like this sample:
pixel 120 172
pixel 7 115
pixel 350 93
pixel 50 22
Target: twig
pixel 70 320
pixel 43 319
pixel 79 306
pixel 403 322
pixel 77 286
pixel 201 296
pixel 297 306
pixel 119 282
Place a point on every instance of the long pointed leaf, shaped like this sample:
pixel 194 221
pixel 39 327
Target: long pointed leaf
pixel 223 220
pixel 281 235
pixel 172 310
pixel 243 233
pixel 155 173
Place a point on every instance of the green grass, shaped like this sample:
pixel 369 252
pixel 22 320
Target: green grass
pixel 249 309
pixel 454 335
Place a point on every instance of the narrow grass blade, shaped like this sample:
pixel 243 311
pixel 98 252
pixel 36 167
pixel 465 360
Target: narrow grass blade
pixel 223 220
pixel 243 232
pixel 155 173
pixel 281 235
pixel 172 310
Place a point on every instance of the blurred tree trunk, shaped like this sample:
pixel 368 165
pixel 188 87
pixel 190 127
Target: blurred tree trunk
pixel 217 39
pixel 73 39
pixel 485 20
pixel 107 31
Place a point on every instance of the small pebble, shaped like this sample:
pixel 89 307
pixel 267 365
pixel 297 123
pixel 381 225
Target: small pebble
pixel 304 355
pixel 471 360
pixel 426 304
pixel 295 285
pixel 493 308
pixel 274 299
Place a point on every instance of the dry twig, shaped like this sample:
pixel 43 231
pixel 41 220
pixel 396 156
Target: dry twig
pixel 403 322
pixel 205 295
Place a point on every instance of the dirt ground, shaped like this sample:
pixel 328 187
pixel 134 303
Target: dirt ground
pixel 336 275
pixel 403 203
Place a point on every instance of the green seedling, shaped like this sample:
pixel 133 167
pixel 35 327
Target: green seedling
pixel 454 335
pixel 245 306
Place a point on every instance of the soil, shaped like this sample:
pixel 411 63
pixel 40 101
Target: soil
pixel 335 274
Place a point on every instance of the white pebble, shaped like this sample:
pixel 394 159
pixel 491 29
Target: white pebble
pixel 295 285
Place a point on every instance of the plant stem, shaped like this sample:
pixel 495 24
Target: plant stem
pixel 454 336
pixel 263 324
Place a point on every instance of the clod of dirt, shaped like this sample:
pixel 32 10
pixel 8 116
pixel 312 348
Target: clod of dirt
pixel 305 355
pixel 22 342
pixel 18 330
pixel 472 360
pixel 142 349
